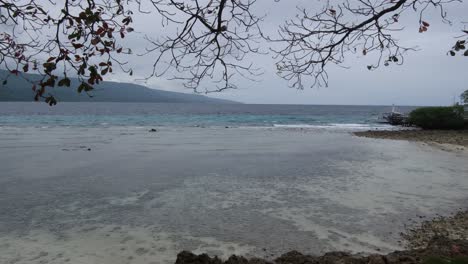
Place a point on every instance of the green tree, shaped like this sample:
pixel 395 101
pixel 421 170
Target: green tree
pixel 464 97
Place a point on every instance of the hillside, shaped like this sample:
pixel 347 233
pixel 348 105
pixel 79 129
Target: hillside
pixel 18 89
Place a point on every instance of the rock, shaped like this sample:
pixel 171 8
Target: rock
pixel 341 258
pixel 153 130
pixel 295 257
pixel 376 259
pixel 258 261
pixel 338 254
pixel 186 257
pixel 438 247
pixel 399 257
pixel 236 260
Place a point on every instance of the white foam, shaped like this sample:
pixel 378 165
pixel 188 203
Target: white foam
pixel 337 126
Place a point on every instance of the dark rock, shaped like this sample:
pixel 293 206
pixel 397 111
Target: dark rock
pixel 186 257
pixel 338 254
pixel 376 259
pixel 153 130
pixel 236 260
pixel 400 257
pixel 295 257
pixel 438 247
pixel 259 261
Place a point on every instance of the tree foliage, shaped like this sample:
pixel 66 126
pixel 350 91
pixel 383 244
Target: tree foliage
pixel 211 42
pixel 464 97
pixel 451 117
pixel 80 36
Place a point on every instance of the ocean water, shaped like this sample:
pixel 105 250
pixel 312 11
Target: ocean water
pixel 120 195
pixel 169 114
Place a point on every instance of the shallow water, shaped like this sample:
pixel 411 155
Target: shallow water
pixel 124 195
pixel 189 115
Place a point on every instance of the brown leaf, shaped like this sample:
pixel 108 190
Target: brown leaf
pixel 99 31
pixel 95 41
pixel 104 72
pixel 77 45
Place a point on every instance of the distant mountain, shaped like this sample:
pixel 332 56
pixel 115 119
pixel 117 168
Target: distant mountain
pixel 18 89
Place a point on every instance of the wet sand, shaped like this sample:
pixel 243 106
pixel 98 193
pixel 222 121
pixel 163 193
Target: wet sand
pixel 452 137
pixel 124 195
pixel 454 227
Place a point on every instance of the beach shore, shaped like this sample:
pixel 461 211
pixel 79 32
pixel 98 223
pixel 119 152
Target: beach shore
pixel 438 240
pixel 440 250
pixel 452 137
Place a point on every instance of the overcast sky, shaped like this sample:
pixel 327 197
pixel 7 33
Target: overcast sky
pixel 428 76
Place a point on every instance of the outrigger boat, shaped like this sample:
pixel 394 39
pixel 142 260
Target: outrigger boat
pixel 395 118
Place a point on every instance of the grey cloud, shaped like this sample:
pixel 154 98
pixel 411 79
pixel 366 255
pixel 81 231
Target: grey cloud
pixel 428 76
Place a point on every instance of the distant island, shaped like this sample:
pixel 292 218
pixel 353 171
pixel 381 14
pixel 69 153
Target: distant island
pixel 18 89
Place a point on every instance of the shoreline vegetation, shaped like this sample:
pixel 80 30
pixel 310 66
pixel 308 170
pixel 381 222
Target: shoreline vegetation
pixel 442 240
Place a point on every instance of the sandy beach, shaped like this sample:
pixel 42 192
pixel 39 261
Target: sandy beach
pixel 125 195
pixel 453 137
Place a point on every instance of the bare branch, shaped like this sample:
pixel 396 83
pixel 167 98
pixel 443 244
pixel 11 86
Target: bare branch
pixel 211 42
pixel 313 41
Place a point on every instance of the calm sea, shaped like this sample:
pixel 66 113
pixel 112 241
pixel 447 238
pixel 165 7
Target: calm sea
pixel 170 114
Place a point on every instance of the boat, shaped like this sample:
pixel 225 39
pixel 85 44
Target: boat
pixel 395 118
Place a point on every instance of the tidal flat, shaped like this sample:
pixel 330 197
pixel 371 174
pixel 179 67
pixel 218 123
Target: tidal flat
pixel 456 138
pixel 126 195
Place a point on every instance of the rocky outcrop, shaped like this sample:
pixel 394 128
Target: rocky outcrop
pixel 439 247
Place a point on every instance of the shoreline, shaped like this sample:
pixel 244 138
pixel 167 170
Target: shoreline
pixel 439 251
pixel 458 138
pixel 438 240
